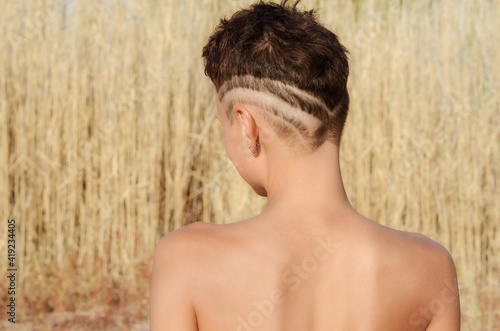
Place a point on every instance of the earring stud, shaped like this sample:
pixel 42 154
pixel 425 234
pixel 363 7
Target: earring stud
pixel 250 149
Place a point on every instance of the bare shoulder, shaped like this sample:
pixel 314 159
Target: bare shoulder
pixel 174 278
pixel 173 254
pixel 183 235
pixel 176 250
pixel 423 257
pixel 424 268
pixel 426 254
pixel 181 246
pixel 196 248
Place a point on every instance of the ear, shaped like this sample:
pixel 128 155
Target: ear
pixel 249 127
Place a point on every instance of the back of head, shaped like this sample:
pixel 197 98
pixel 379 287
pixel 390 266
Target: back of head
pixel 285 62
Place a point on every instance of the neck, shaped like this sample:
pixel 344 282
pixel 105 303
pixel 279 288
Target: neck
pixel 310 183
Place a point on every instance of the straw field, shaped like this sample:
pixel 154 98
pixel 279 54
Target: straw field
pixel 108 141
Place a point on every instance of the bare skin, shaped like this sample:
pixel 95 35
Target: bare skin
pixel 309 261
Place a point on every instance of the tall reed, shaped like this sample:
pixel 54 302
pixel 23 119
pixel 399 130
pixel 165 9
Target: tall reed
pixel 108 139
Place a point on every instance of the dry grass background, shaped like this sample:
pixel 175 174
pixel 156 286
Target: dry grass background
pixel 108 141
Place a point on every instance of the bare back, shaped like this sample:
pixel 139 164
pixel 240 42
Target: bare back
pixel 348 275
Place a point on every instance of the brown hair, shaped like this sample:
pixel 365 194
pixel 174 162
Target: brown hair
pixel 286 52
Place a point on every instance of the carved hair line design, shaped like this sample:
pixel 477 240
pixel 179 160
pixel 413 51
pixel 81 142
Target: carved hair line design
pixel 291 110
pixel 294 96
pixel 286 118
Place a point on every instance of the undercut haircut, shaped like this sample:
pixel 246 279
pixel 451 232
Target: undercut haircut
pixel 283 61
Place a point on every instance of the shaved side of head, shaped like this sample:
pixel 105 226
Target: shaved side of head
pixel 302 118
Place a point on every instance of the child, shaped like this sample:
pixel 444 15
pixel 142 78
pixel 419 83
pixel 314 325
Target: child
pixel 309 261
